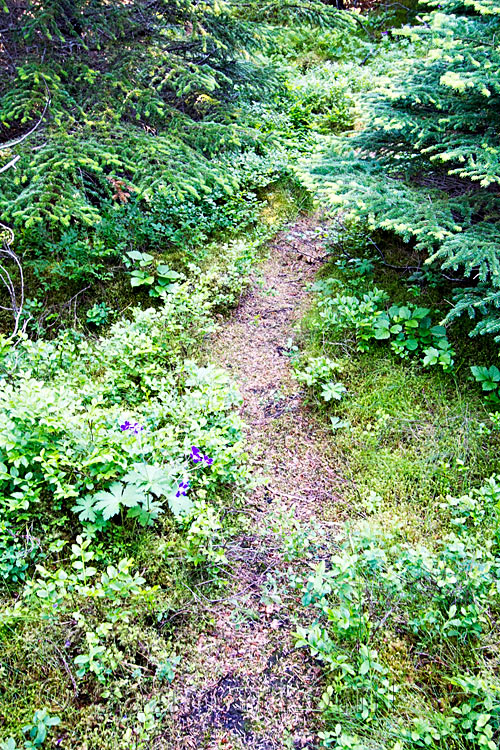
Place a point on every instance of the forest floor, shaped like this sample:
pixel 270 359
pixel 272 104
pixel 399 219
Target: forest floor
pixel 244 685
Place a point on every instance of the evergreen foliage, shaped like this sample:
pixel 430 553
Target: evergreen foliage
pixel 116 76
pixel 137 113
pixel 427 165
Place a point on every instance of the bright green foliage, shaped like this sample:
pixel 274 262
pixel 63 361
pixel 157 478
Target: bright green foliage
pixel 158 128
pixel 97 459
pixel 36 732
pixel 307 13
pixel 427 164
pixel 317 103
pixel 408 327
pixel 444 600
pixel 140 113
pixel 135 100
pixel 62 404
pixel 317 373
pixel 115 591
pixel 158 276
pixel 489 378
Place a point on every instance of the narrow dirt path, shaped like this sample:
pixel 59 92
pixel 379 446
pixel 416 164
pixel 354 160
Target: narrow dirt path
pixel 248 687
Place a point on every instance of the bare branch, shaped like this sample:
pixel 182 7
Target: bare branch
pixel 16 301
pixel 9 164
pixel 17 141
pixel 7 254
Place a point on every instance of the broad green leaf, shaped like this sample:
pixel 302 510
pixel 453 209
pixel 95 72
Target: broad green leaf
pixel 119 495
pixel 332 390
pixel 167 273
pixel 411 344
pixel 365 667
pixel 155 479
pixel 85 509
pixel 180 505
pixel 132 496
pixel 147 513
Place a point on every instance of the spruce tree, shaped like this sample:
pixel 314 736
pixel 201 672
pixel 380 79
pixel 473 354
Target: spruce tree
pixel 142 95
pixel 427 164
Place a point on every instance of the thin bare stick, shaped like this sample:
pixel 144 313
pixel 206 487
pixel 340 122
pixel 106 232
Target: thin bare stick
pixel 7 253
pixel 17 141
pixel 10 164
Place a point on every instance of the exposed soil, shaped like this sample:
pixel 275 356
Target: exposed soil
pixel 248 687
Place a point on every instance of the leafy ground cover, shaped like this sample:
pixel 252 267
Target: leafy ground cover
pixel 407 604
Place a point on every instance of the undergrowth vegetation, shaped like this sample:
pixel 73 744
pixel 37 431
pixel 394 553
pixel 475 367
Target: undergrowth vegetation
pixel 148 153
pixel 406 632
pixel 425 164
pixel 111 449
pixel 407 605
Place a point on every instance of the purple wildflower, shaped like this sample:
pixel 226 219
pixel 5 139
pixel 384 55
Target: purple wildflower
pixel 198 457
pixel 183 488
pixel 134 427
